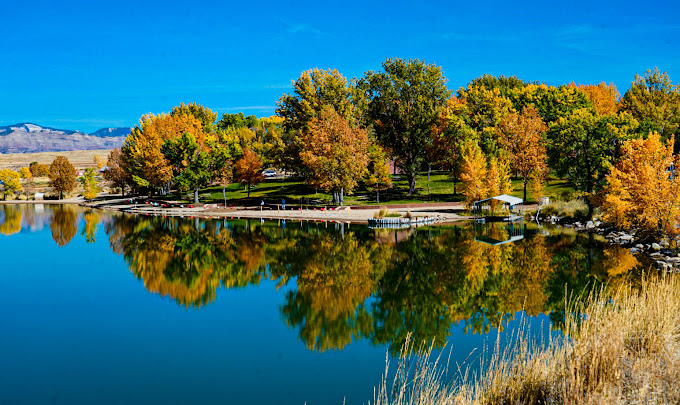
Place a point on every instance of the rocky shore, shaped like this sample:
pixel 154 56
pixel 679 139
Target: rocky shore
pixel 662 251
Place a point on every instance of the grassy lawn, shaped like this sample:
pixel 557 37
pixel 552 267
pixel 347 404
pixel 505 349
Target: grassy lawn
pixel 438 189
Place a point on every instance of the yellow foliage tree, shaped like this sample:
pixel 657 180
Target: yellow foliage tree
pixel 10 182
pixel 642 191
pixel 605 98
pixel 25 173
pixel 473 173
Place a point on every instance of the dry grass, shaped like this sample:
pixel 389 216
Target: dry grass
pixel 622 348
pixel 570 209
pixel 79 158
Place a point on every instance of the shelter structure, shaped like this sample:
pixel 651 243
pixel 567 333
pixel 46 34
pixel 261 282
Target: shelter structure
pixel 497 233
pixel 514 205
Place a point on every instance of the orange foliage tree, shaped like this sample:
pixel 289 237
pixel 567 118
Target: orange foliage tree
pixel 605 97
pixel 642 191
pixel 522 136
pixel 249 169
pixel 335 153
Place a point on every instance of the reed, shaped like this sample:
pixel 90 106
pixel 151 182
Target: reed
pixel 617 347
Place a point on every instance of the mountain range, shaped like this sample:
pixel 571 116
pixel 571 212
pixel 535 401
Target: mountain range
pixel 27 138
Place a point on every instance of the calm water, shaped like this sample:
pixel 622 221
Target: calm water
pixel 116 309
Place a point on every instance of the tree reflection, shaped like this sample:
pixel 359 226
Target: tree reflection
pixel 359 284
pixel 64 224
pixel 11 220
pixel 91 219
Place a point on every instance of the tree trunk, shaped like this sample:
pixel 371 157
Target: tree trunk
pixel 248 186
pixel 342 196
pixel 411 183
pixel 429 169
pixel 196 196
pixel 525 188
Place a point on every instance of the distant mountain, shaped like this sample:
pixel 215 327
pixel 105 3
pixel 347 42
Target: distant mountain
pixel 27 138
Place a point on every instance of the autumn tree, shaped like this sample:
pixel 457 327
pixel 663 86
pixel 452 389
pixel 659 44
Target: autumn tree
pixel 25 173
pixel 378 177
pixel 62 176
pixel 655 102
pixel 605 98
pixel 403 104
pixel 204 115
pixel 98 162
pixel 312 91
pixel 143 159
pixel 33 167
pixel 551 102
pixel 452 131
pixel 473 173
pixel 39 169
pixel 522 135
pixel 89 182
pixel 43 170
pixel 249 169
pixel 498 177
pixel 9 180
pixel 335 154
pixel 641 189
pixel 115 171
pixel 486 109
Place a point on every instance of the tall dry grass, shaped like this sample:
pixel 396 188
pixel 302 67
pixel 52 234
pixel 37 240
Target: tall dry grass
pixel 617 348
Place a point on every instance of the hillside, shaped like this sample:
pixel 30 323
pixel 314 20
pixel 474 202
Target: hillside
pixel 30 138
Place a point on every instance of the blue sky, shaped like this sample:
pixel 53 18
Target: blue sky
pixel 88 65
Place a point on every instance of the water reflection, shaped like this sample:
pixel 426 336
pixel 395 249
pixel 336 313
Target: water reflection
pixel 345 284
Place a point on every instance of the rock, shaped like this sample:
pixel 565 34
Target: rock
pixel 656 246
pixel 640 246
pixel 634 250
pixel 655 254
pixel 665 243
pixel 626 237
pixel 597 223
pixel 590 225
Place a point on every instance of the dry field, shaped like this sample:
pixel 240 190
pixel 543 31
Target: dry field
pixel 79 158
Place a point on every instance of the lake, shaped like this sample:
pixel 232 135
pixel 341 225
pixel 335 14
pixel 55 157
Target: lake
pixel 110 308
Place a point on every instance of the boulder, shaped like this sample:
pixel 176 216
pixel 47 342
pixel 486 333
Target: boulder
pixel 656 246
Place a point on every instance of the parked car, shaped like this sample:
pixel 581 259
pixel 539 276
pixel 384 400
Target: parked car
pixel 269 173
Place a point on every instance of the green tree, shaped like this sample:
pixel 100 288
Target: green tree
pixel 62 176
pixel 237 120
pixel 655 102
pixel 195 164
pixel 582 146
pixel 404 102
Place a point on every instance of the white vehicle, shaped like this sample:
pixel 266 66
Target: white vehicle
pixel 269 173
